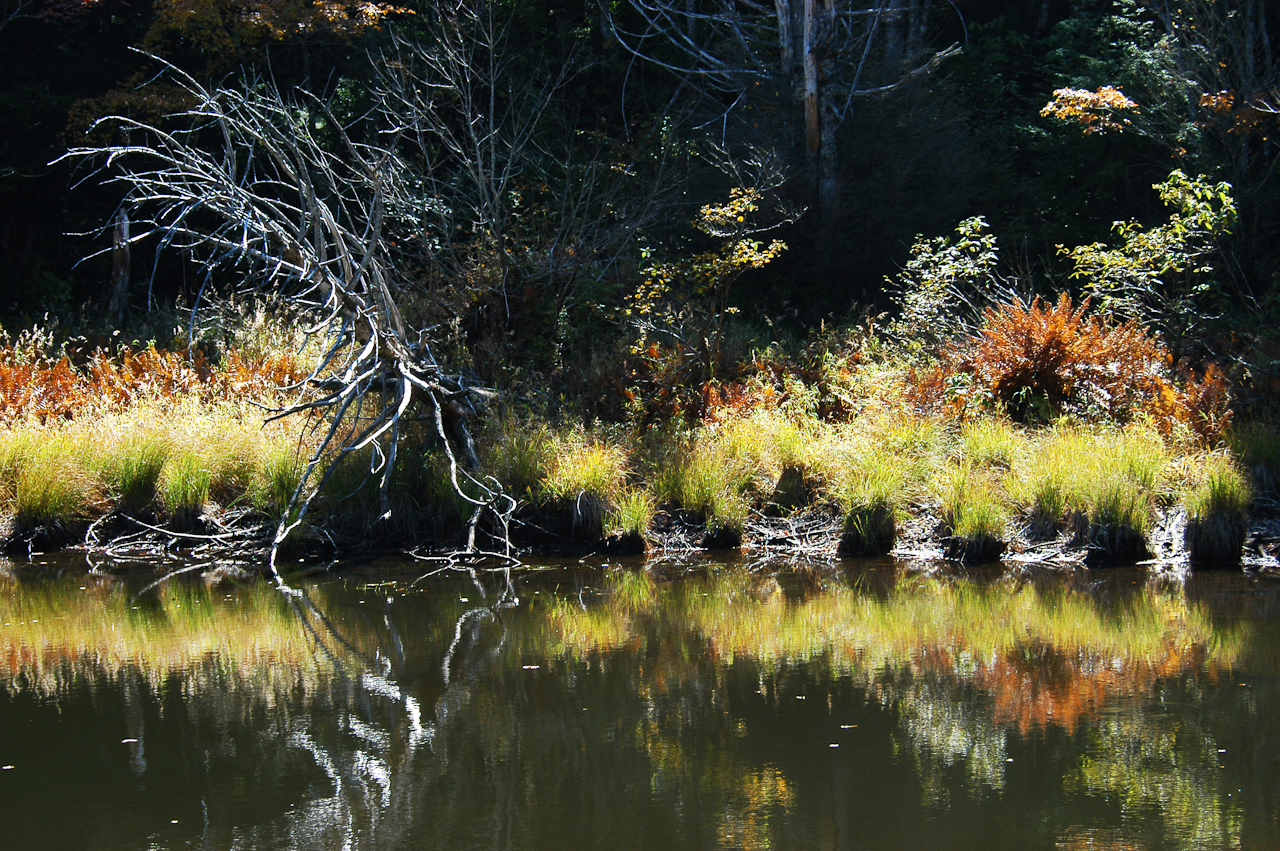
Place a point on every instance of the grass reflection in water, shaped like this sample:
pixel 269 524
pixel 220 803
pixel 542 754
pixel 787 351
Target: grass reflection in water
pixel 1046 654
pixel 632 708
pixel 55 636
pixel 964 663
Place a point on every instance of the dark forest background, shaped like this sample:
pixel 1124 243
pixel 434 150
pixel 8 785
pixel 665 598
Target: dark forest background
pixel 931 114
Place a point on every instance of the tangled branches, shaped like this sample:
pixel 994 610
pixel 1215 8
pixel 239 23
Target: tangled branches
pixel 252 186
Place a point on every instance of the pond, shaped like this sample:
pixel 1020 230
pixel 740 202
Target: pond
pixel 682 705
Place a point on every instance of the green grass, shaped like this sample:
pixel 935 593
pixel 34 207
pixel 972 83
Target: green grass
pixel 632 513
pixel 184 487
pixel 1217 512
pixel 50 488
pixel 275 482
pixel 132 468
pixel 578 466
pixel 1257 445
pixel 1102 484
pixel 870 494
pixel 991 443
pixel 517 453
pixel 973 515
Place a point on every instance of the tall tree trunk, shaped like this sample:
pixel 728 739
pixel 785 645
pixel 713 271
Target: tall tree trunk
pixel 118 306
pixel 820 125
pixel 786 39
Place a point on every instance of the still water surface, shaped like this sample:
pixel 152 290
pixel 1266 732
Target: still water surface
pixel 867 706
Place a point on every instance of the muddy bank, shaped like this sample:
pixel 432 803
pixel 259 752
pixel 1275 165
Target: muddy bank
pixel 575 528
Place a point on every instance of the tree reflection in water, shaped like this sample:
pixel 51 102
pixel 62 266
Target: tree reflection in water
pixel 723 710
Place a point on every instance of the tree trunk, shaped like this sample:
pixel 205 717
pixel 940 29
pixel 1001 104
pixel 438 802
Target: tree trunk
pixel 118 306
pixel 820 126
pixel 786 39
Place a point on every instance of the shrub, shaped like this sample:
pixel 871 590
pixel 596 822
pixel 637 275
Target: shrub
pixel 1038 361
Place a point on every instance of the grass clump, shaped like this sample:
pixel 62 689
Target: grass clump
pixel 518 453
pixel 132 468
pixel 991 443
pixel 50 491
pixel 630 519
pixel 973 516
pixel 586 479
pixel 1257 445
pixel 708 481
pixel 1101 484
pixel 1217 513
pixel 184 488
pixel 870 496
pixel 274 482
pixel 710 491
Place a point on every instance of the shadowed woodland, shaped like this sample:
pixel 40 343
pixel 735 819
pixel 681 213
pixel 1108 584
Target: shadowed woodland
pixel 500 275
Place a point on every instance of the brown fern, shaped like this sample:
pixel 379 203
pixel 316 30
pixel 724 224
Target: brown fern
pixel 1051 359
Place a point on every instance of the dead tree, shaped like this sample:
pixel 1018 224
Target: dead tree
pixel 249 186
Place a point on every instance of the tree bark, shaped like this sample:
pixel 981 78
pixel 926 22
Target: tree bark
pixel 118 306
pixel 820 125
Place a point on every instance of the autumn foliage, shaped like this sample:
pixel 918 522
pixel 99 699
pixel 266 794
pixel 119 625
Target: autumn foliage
pixel 1045 359
pixel 56 389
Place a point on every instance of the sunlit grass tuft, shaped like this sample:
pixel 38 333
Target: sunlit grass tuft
pixel 1102 483
pixel 870 493
pixel 132 467
pixel 972 514
pixel 49 486
pixel 1217 512
pixel 991 443
pixel 581 466
pixel 632 513
pixel 184 487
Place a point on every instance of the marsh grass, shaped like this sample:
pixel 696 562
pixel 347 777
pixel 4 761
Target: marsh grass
pixel 991 443
pixel 1217 512
pixel 164 460
pixel 973 515
pixel 184 488
pixel 870 493
pixel 1101 485
pixel 584 478
pixel 132 468
pixel 1257 446
pixel 518 454
pixel 50 490
pixel 630 519
pixel 274 482
pixel 709 487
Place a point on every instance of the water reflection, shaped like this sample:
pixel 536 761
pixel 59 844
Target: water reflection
pixel 812 708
